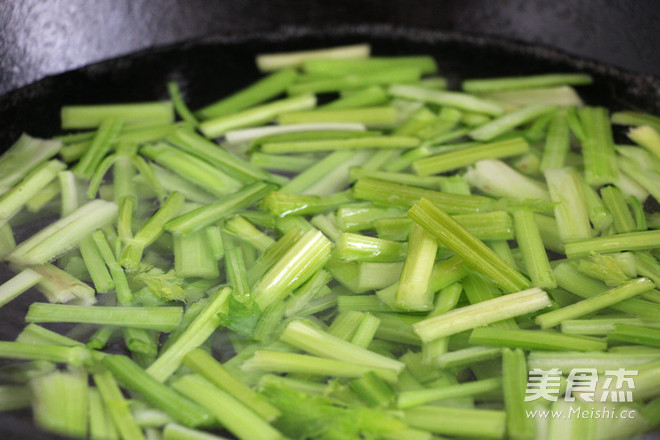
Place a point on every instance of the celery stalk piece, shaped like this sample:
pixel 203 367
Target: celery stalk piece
pixel 372 390
pixel 100 421
pixel 514 377
pixel 273 254
pixel 632 241
pixel 172 431
pixel 105 136
pixel 127 206
pixel 631 188
pixel 278 61
pixel 315 341
pixel 90 116
pixel 597 210
pixel 163 319
pixel 635 335
pixel 647 178
pixel 96 267
pixel 475 253
pixel 478 289
pixel 461 101
pixel 564 96
pixel 179 104
pixel 413 292
pixel 498 179
pixel 256 93
pixel 64 234
pixel 229 411
pixel 338 178
pixel 358 218
pixel 525 82
pixel 530 243
pixel 122 289
pixel 193 256
pixel 60 286
pixel 457 421
pixel 635 118
pixel 260 135
pixel 14 397
pixel 20 283
pixel 74 355
pixel 35 334
pixel 616 204
pixel 638 213
pixel 16 198
pixel 387 75
pixel 150 231
pixel 447 299
pixel 600 326
pixel 600 165
pixel 22 157
pixel 211 213
pixel 507 122
pixel 140 342
pixel 300 262
pixel 557 144
pixel 566 361
pixel 134 378
pixel 366 331
pixel 402 196
pixel 101 337
pixel 466 356
pixel 281 362
pixel 276 162
pixel 410 399
pixel 345 66
pixel 316 172
pixel 235 269
pixel 483 313
pixel 467 156
pixel 117 407
pixel 192 143
pixel 370 96
pixel 570 205
pixel 256 115
pixel 383 116
pixel 362 277
pixel 341 144
pixel 356 247
pixel 534 339
pixel 191 168
pixel 647 266
pixel 648 137
pixel 432 182
pixel 43 198
pixel 60 403
pixel 243 230
pixel 69 192
pixel 283 204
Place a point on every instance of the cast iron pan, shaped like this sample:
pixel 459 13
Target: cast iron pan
pixel 211 68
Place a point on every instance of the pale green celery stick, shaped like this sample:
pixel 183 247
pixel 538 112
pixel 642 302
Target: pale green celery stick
pixel 256 93
pixel 616 204
pixel 632 241
pixel 96 178
pixel 163 319
pixel 74 355
pixel 7 241
pixel 534 339
pixel 277 61
pixel 356 247
pixel 570 427
pixel 402 196
pixel 278 162
pixel 100 421
pixel 122 289
pixel 646 177
pixel 372 390
pixel 211 213
pixel 281 362
pixel 514 377
pixel 195 334
pixel 563 96
pixel 338 178
pixel 256 115
pixel 60 286
pixel 14 397
pixel 631 188
pixel 366 331
pixel 60 403
pixel 507 122
pixel 478 289
pixel 409 399
pixel 43 198
pixel 396 142
pixel 358 218
pixel 370 96
pixel 296 265
pixel 345 66
pixel 485 312
pixel 171 182
pixel 257 136
pixel 315 341
pixel 452 235
pixel 648 137
pixel 172 431
pixel 601 326
pixel 180 105
pixel 413 292
pixel 395 228
pixel 243 230
pixel 648 266
pixel 457 421
pixel 638 213
pixel 90 116
pixel 191 168
pixel 316 172
pixel 466 356
pixel 193 256
pixel 383 116
pixel 96 267
pixel 64 234
pixel 461 101
pixel 190 142
pixel 235 269
pixel 530 243
pixel 549 233
pixel 474 119
pixel 313 288
pixel 346 324
pixel 150 231
pixel 397 330
pixel 127 207
pixel 635 118
pixel 16 198
pixel 556 144
pixel 570 208
pixel 35 334
pixel 140 341
pixel 600 164
pixel 101 337
pixel 635 335
pixel 20 283
pixel 22 157
pixel 566 361
pixel 362 277
pixel 467 156
pixel 496 178
pixel 274 253
pixel 362 303
pixel 613 269
pixel 525 82
pixel 597 210
pixel 101 145
pixel 402 178
pixel 447 299
pixel 282 204
pixel 117 406
pixel 355 80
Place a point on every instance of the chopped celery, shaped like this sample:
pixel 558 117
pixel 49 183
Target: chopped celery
pixel 277 61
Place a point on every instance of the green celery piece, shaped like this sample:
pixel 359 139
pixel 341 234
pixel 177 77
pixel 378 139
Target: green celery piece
pixel 101 337
pixel 432 182
pixel 372 390
pixel 507 122
pixel 22 157
pixel 18 284
pixel 256 93
pixel 282 204
pixel 150 318
pixel 475 253
pixel 498 179
pixel 92 158
pixel 366 331
pixel 635 118
pixel 638 213
pixel 631 241
pixel 616 204
pixel 612 269
pixel 635 335
pixel 447 299
pixel 122 289
pixel 461 101
pixel 456 159
pixel 647 266
pixel 35 334
pixel 117 406
pixel 172 431
pixel 273 253
pixel 299 132
pixel 356 247
pixel 298 263
pixel 570 205
pixel 557 143
pixel 90 116
pixel 288 164
pixel 534 339
pixel 60 403
pixel 458 421
pixel 478 289
pixel 60 286
pixel 180 104
pixel 74 355
pixel 413 292
pixel 100 421
pixel 235 269
pixel 601 326
pixel 396 142
pixel 466 356
pixel 648 137
pixel 345 66
pixel 61 236
pixel 263 113
pixel 482 313
pixel 534 255
pixel 365 276
pixel 209 214
pixel 234 415
pixel 415 398
pixel 368 97
pixel 525 82
pixel 600 164
pixel 514 377
pixel 278 61
pixel 358 218
pixel 384 76
pixel 565 361
pixel 376 117
pixel 597 210
pixel 193 256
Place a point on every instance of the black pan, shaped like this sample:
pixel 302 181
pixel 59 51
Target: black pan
pixel 210 68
